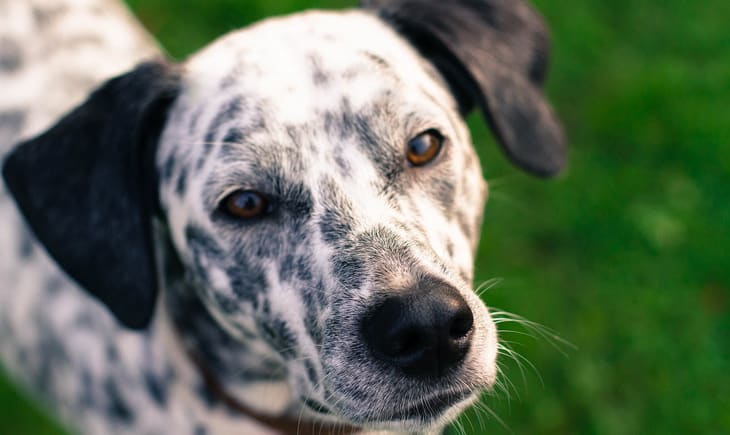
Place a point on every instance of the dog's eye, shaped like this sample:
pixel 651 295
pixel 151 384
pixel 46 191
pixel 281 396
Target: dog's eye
pixel 245 204
pixel 425 147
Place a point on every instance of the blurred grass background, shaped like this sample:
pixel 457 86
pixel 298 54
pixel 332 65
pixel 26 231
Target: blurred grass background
pixel 626 255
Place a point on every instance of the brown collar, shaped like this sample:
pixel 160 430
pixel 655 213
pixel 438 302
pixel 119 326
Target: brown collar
pixel 279 424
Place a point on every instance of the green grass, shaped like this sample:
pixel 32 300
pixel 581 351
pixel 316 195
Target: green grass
pixel 626 255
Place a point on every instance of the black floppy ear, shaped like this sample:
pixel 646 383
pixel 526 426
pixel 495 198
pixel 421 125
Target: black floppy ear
pixel 493 54
pixel 88 189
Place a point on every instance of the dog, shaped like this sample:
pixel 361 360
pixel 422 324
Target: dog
pixel 274 236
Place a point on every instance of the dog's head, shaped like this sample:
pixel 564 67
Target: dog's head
pixel 320 189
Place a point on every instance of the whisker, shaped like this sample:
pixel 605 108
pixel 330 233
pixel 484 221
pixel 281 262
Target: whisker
pixel 487 285
pixel 517 357
pixel 483 407
pixel 552 337
pixel 506 351
pixel 508 383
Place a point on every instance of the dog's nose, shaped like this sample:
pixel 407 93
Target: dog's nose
pixel 424 332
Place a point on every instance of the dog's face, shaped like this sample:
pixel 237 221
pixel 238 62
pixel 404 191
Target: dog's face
pixel 311 176
pixel 319 186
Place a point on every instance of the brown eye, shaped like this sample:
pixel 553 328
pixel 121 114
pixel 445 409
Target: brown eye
pixel 245 204
pixel 425 147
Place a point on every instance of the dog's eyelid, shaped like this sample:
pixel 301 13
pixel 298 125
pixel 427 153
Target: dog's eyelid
pixel 441 123
pixel 226 193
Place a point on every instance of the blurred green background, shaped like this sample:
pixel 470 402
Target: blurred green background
pixel 625 255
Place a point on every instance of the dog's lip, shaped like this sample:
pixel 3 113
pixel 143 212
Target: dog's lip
pixel 428 408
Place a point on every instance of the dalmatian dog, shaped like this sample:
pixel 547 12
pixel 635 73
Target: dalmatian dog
pixel 276 235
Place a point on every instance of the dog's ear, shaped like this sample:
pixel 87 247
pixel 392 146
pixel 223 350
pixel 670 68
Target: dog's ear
pixel 493 54
pixel 88 189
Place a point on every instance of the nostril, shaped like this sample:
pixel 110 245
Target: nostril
pixel 407 343
pixel 461 324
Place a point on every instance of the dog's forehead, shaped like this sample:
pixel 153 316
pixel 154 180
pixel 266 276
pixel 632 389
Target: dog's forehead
pixel 310 60
pixel 314 108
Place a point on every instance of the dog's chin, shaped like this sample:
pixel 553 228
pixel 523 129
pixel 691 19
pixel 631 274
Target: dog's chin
pixel 426 415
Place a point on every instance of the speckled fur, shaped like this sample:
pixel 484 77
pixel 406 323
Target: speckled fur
pixel 314 109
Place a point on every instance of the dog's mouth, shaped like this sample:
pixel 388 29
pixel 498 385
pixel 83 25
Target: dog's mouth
pixel 427 409
pixel 423 412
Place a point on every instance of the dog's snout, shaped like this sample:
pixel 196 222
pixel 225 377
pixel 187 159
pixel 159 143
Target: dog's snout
pixel 424 332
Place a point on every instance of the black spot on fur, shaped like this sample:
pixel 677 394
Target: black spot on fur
pixel 232 77
pixel 387 161
pixel 45 15
pixel 11 123
pixel 54 355
pixel 342 164
pixel 167 169
pixel 230 111
pixel 87 399
pixel 310 320
pixel 231 144
pixel 466 226
pixel 85 320
pixel 200 241
pixel 117 407
pixel 25 245
pixel 112 354
pixel 182 181
pixel 370 128
pixel 304 269
pixel 193 126
pixel 200 430
pixel 11 56
pixel 334 226
pixel 286 268
pixel 319 76
pixel 226 304
pixel 443 191
pixel 156 387
pixel 54 284
pixel 377 59
pixel 335 223
pixel 202 245
pixel 298 200
pixel 247 281
pixel 336 124
pixel 206 396
pixel 234 136
pixel 277 333
pixel 311 372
